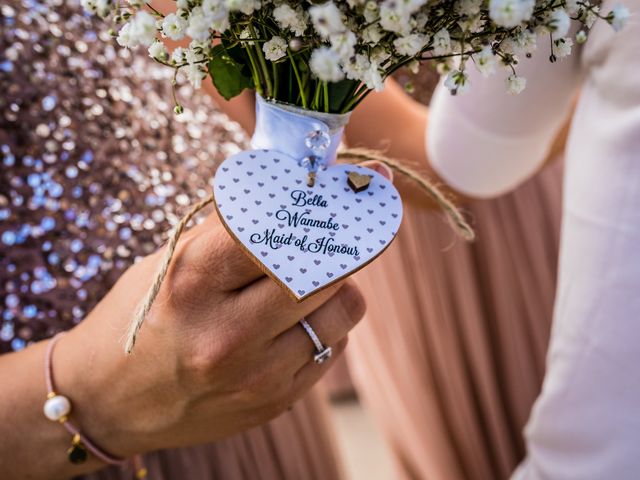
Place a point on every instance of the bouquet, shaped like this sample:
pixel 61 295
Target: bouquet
pixel 327 56
pixel 305 220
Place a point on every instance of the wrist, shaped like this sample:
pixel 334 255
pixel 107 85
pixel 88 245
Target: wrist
pixel 86 377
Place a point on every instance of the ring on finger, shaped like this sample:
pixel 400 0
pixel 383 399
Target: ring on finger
pixel 322 353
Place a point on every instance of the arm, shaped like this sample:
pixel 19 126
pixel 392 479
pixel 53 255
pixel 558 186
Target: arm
pixel 220 353
pixel 483 135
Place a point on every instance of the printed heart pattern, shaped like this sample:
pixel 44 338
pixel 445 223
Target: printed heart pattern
pixel 305 238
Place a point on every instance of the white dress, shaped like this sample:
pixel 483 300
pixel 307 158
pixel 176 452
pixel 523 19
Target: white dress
pixel 586 422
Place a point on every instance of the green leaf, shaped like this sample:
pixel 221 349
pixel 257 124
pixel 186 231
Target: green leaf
pixel 227 74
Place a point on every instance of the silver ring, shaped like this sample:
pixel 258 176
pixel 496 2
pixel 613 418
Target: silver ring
pixel 322 353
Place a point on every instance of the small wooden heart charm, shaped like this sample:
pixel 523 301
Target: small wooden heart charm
pixel 305 238
pixel 358 182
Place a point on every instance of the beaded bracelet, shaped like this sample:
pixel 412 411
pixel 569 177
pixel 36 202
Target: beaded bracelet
pixel 57 409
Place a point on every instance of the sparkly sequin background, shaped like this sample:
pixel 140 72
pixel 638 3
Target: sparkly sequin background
pixel 95 167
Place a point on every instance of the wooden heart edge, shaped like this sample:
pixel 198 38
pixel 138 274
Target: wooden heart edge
pixel 279 282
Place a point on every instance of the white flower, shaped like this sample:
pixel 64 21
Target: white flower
pixel 199 24
pixel 174 26
pixel 373 78
pixel 194 53
pixel 469 8
pixel 275 49
pixel 394 19
pixel 379 55
pixel 371 11
pixel 562 47
pixel 372 34
pixel 217 14
pixel 515 84
pixel 559 23
pixel 245 6
pixel 325 64
pixel 414 67
pixel 510 13
pixel 441 42
pixel 581 36
pixel 102 8
pixel 527 41
pixel 288 18
pixel 326 19
pixel 343 44
pixel 158 51
pixel 141 30
pixel 125 37
pixel 244 35
pixel 572 7
pixel 195 74
pixel 591 16
pixel 618 17
pixel 182 4
pixel 357 67
pixel 144 28
pixel 409 45
pixel 178 56
pixel 485 61
pixel 457 82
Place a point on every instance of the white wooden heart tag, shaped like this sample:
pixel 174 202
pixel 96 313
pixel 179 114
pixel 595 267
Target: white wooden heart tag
pixel 305 238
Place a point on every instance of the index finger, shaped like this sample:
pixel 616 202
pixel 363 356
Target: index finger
pixel 209 249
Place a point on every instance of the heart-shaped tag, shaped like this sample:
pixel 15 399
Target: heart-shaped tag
pixel 305 238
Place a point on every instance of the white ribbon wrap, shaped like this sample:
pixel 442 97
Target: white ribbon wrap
pixel 285 128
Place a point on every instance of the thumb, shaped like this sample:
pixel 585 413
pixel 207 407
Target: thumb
pixel 380 168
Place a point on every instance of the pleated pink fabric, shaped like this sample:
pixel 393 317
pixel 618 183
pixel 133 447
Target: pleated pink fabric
pixel 450 356
pixel 295 446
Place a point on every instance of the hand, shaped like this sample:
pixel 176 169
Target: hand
pixel 221 350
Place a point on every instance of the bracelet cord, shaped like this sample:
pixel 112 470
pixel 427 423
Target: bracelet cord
pixel 75 432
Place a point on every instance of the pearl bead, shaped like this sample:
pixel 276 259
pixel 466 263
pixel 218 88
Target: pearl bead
pixel 57 407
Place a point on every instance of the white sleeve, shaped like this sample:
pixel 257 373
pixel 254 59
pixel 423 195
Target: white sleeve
pixel 486 142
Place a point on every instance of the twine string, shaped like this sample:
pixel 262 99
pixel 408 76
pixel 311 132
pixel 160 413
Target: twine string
pixel 152 294
pixel 457 220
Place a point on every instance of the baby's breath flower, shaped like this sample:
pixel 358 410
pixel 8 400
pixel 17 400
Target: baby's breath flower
pixel 393 18
pixel 244 35
pixel 468 8
pixel 178 56
pixel 326 19
pixel 344 44
pixel 141 30
pixel 441 42
pixel 562 47
pixel 195 74
pixel 591 16
pixel 410 45
pixel 581 36
pixel 559 23
pixel 485 61
pixel 245 6
pixel 173 26
pixel 199 24
pixel 290 19
pixel 457 82
pixel 158 51
pixel 515 84
pixel 275 49
pixel 510 13
pixel 618 17
pixel 325 64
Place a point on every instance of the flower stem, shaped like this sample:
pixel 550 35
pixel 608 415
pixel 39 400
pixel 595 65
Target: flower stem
pixel 303 95
pixel 263 64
